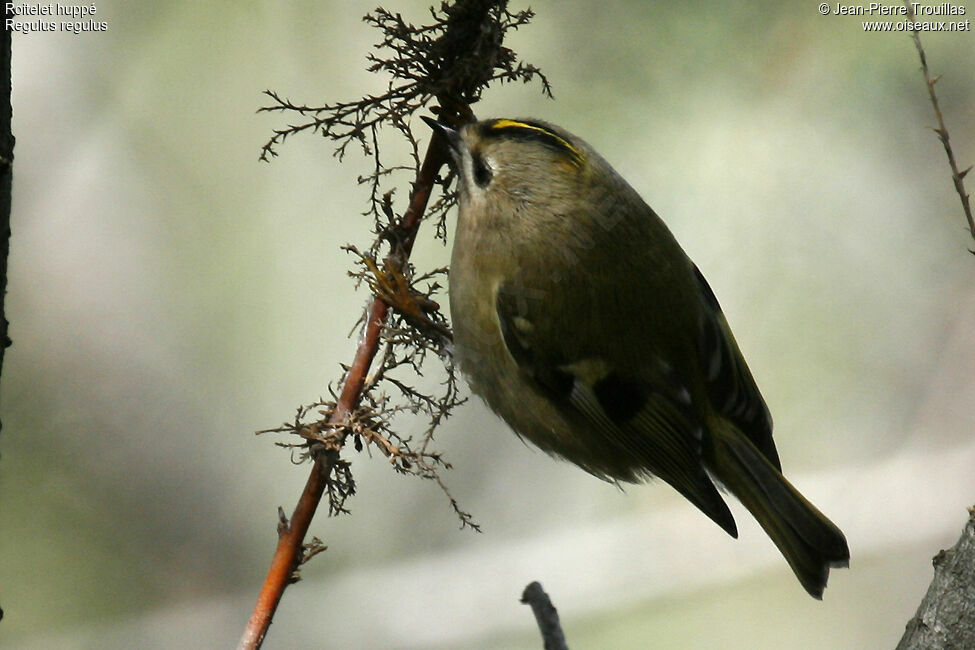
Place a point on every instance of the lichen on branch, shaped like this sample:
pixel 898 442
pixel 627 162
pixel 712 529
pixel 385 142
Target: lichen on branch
pixel 453 59
pixel 445 65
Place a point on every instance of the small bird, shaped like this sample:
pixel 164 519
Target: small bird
pixel 579 319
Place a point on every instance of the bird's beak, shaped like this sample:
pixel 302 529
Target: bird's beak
pixel 451 136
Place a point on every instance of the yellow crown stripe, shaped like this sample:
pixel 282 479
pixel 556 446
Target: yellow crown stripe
pixel 577 157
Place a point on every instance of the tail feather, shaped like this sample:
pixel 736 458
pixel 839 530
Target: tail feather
pixel 810 542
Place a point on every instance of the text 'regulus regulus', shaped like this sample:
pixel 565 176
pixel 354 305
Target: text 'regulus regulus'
pixel 580 320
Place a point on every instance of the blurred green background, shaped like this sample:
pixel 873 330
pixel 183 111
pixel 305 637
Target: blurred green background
pixel 169 295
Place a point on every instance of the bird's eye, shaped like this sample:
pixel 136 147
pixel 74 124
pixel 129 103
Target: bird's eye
pixel 482 172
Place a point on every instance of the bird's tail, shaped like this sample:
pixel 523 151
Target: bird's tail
pixel 810 542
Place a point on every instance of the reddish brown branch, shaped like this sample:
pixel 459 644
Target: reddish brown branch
pixel 453 60
pixel 291 536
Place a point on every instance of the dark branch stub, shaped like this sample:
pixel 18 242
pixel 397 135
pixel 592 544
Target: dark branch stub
pixel 546 616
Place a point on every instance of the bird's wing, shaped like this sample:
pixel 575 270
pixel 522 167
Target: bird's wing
pixel 642 409
pixel 730 386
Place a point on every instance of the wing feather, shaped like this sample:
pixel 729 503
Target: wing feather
pixel 647 417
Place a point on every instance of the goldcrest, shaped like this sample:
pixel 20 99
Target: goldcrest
pixel 580 321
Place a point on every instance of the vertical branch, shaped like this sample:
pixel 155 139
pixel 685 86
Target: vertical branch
pixel 6 173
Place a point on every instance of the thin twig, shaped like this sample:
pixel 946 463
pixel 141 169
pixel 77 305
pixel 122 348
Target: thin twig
pixel 957 177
